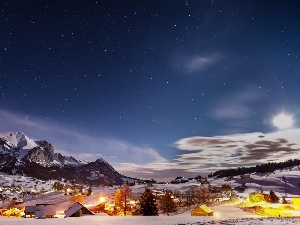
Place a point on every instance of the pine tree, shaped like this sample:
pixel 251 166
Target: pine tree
pixel 148 204
pixel 89 192
pixel 273 197
pixel 167 203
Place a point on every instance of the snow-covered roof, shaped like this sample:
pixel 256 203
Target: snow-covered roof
pixel 74 208
pixel 29 209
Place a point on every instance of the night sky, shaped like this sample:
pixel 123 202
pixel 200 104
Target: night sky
pixel 156 88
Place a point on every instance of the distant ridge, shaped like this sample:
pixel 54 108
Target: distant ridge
pixel 262 168
pixel 20 154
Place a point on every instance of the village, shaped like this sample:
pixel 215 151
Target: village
pixel 204 197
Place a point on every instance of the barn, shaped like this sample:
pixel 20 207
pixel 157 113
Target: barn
pixel 77 210
pixel 202 210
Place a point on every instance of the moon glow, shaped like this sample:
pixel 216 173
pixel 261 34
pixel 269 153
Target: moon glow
pixel 283 121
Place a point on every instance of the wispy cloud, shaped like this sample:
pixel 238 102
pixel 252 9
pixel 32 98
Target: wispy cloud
pixel 195 63
pixel 199 155
pixel 10 120
pixel 70 141
pixel 198 63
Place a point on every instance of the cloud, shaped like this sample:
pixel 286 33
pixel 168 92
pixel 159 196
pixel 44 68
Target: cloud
pixel 194 143
pixel 198 63
pixel 10 120
pixel 70 141
pixel 239 149
pixel 163 171
pixel 198 155
pixel 195 63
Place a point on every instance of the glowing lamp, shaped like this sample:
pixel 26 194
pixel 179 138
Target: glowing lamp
pixel 101 199
pixel 217 215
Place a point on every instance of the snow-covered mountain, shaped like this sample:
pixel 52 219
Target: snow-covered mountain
pixel 21 154
pixel 21 147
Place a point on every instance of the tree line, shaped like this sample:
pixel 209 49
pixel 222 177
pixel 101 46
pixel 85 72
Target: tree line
pixel 150 203
pixel 261 168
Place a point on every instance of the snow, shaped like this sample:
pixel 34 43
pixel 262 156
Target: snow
pixel 18 144
pixel 229 213
pixel 182 219
pixel 20 140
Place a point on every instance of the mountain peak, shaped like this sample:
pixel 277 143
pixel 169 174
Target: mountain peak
pixel 100 160
pixel 20 140
pixel 20 146
pixel 38 159
pixel 20 133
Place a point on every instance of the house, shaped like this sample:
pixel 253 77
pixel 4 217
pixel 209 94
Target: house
pixel 179 180
pixel 40 211
pixel 202 210
pixel 245 176
pixel 29 211
pixel 19 201
pixel 296 201
pixel 45 210
pixel 77 210
pixel 256 197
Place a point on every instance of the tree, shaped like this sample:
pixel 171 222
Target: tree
pixel 273 197
pixel 121 198
pixel 12 203
pixel 284 180
pixel 204 195
pixel 284 201
pixel 56 186
pixel 80 190
pixel 167 203
pixel 118 200
pixel 177 195
pixel 89 192
pixel 227 190
pixel 77 198
pixel 190 196
pixel 148 204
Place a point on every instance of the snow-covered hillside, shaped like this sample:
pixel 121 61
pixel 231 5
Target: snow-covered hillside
pixel 229 213
pixel 21 155
pixel 182 219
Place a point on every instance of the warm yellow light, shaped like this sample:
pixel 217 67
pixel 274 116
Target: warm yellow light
pixel 217 215
pixel 283 121
pixel 132 202
pixel 102 199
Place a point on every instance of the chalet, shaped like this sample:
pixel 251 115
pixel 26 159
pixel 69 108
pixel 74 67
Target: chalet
pixel 77 210
pixel 256 197
pixel 19 201
pixel 296 201
pixel 202 210
pixel 45 210
pixel 29 211
pixel 179 180
pixel 40 211
pixel 228 178
pixel 245 176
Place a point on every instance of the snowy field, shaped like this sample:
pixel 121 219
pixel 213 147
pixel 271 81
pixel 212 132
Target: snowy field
pixel 153 220
pixel 229 213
